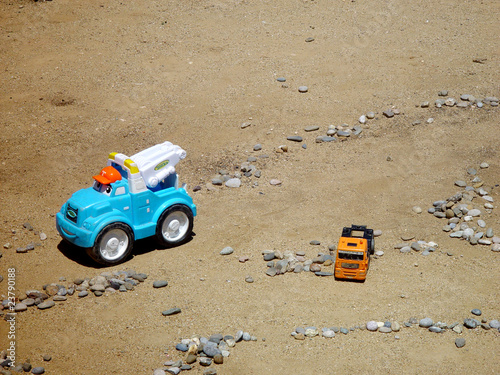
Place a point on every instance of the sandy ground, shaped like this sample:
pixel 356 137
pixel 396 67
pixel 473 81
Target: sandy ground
pixel 82 79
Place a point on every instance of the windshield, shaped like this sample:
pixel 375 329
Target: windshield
pixel 101 188
pixel 351 255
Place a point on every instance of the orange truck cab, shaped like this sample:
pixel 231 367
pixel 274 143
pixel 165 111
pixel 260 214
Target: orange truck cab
pixel 353 252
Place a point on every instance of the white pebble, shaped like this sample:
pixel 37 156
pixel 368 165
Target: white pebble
pixel 417 209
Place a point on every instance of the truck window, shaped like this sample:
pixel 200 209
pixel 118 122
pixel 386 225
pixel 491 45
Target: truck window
pixel 120 190
pixel 351 255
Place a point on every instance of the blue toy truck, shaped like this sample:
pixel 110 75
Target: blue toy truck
pixel 132 198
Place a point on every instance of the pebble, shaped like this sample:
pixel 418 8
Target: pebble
pixel 311 128
pixel 46 305
pixel 405 249
pixel 435 329
pixel 182 347
pixel 426 322
pixel 388 113
pixel 303 89
pixel 476 312
pixel 160 284
pixel 311 331
pixel 249 279
pixel 243 259
pixel 328 333
pixel 257 147
pixel 275 182
pixel 495 324
pixel 233 183
pixel 271 271
pixel 470 323
pixel 227 250
pixel 323 273
pixel 205 361
pixel 362 119
pixel 376 233
pixel 372 325
pixel 417 209
pixel 385 329
pixel 460 342
pixel 38 370
pixel 310 39
pixel 395 326
pixel 172 311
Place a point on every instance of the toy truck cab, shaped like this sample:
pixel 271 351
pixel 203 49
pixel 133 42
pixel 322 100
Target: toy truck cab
pixel 353 252
pixel 132 198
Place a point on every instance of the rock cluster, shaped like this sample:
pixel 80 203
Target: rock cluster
pixel 247 170
pixel 204 351
pixel 106 282
pixel 464 212
pixel 300 333
pixel 40 235
pixel 279 263
pixel 7 367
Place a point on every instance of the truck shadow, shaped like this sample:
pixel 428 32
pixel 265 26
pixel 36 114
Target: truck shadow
pixel 143 246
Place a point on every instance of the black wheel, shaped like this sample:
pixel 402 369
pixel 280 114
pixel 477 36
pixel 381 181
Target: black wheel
pixel 113 244
pixel 372 247
pixel 175 225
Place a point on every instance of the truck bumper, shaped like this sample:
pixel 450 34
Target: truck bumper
pixel 70 232
pixel 340 273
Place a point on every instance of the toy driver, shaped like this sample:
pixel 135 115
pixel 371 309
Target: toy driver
pixel 103 180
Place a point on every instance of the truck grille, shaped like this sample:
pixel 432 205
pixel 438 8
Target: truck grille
pixel 72 213
pixel 350 265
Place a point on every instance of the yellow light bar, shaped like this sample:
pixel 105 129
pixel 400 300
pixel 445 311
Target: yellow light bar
pixel 112 155
pixel 129 163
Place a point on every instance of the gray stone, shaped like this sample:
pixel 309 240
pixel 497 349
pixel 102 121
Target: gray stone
pixel 323 273
pixel 211 350
pixel 435 329
pixel 303 89
pixel 46 305
pixel 205 361
pixel 38 370
pixel 227 250
pixel 495 324
pixel 271 271
pixel 426 322
pixel 470 323
pixel 372 325
pixel 460 342
pixel 385 329
pixel 311 128
pixel 239 336
pixel 233 183
pixel 172 311
pixel 160 283
pixel 388 113
pixel 476 312
pixel 294 138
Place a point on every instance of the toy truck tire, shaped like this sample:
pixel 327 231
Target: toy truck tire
pixel 113 244
pixel 175 225
pixel 372 247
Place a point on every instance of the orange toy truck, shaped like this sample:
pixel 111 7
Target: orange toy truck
pixel 353 252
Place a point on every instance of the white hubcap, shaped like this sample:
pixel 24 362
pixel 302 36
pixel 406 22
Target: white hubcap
pixel 175 226
pixel 113 244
